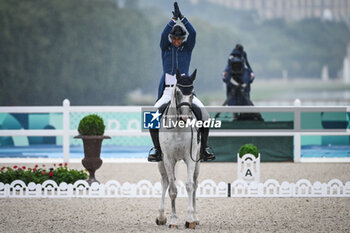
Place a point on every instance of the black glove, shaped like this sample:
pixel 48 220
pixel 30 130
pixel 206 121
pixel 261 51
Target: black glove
pixel 177 11
pixel 175 15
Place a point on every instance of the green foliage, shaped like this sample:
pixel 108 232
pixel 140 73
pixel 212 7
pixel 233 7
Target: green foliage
pixel 39 175
pixel 96 52
pixel 301 48
pixel 91 52
pixel 248 149
pixel 91 125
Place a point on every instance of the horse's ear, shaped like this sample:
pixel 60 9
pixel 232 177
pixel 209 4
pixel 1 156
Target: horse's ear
pixel 193 75
pixel 178 74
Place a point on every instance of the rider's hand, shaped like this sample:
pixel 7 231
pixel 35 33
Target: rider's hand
pixel 175 14
pixel 252 76
pixel 177 11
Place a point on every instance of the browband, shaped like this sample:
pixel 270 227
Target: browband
pixel 181 85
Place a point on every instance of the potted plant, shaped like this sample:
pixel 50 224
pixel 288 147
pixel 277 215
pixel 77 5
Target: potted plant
pixel 248 149
pixel 91 129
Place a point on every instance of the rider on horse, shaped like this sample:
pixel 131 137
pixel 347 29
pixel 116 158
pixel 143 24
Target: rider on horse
pixel 176 54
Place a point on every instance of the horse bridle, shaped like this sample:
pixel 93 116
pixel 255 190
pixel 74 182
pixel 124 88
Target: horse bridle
pixel 179 105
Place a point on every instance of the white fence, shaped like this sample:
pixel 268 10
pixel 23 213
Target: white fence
pixel 296 132
pixel 145 189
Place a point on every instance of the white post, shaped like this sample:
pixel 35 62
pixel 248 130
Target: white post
pixel 297 128
pixel 66 129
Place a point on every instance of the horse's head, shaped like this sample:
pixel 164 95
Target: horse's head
pixel 184 94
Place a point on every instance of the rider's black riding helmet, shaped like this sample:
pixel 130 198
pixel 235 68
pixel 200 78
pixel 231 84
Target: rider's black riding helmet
pixel 178 32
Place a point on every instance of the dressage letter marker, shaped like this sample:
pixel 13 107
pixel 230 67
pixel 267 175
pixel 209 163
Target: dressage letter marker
pixel 248 168
pixel 248 173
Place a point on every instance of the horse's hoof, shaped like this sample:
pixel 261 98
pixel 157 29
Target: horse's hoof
pixel 191 225
pixel 171 226
pixel 160 222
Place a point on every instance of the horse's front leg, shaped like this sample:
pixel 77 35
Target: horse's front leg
pixel 161 220
pixel 170 167
pixel 195 179
pixel 191 189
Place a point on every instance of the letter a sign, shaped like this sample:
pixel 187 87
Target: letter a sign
pixel 248 168
pixel 248 173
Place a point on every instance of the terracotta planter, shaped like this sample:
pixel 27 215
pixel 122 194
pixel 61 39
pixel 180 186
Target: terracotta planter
pixel 92 151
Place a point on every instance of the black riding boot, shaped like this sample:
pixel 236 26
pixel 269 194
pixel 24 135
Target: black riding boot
pixel 205 154
pixel 155 154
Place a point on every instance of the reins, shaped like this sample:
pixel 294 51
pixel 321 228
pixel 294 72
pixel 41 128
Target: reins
pixel 196 161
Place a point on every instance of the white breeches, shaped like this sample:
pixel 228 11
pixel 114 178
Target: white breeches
pixel 165 97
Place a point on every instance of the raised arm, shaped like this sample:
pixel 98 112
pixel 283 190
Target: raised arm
pixel 164 40
pixel 191 39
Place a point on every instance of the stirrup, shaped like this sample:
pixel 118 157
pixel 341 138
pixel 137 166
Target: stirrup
pixel 208 156
pixel 155 157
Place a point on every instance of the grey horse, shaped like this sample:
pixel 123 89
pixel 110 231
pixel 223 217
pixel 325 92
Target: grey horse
pixel 179 143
